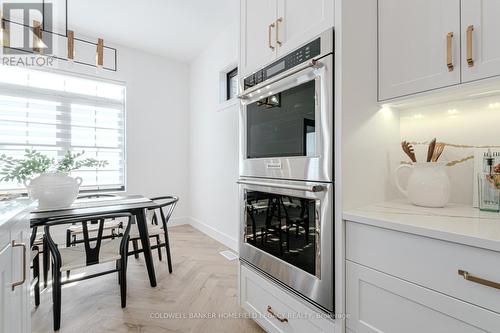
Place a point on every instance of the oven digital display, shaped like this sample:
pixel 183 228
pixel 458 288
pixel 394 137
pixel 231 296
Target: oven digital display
pixel 275 69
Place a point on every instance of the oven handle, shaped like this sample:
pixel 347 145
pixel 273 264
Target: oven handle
pixel 313 63
pixel 310 188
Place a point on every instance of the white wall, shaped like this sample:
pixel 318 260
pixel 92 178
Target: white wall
pixel 157 123
pixel 213 143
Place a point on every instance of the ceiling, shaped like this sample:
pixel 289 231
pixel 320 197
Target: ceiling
pixel 177 29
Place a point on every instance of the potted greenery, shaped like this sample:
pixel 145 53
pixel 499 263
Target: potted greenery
pixel 51 186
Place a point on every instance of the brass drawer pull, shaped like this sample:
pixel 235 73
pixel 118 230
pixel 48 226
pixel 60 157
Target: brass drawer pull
pixel 278 21
pixel 470 60
pixel 271 26
pixel 16 284
pixel 476 279
pixel 449 51
pixel 270 310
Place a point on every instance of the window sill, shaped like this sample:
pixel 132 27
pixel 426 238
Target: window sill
pixel 228 104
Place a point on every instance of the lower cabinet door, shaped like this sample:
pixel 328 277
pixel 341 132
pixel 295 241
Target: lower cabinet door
pixel 5 289
pixel 381 303
pixel 275 310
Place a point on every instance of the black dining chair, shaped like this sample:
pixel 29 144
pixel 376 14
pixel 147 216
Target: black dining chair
pixel 93 251
pixel 163 211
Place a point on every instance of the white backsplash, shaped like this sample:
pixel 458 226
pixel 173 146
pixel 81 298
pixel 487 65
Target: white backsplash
pixel 473 122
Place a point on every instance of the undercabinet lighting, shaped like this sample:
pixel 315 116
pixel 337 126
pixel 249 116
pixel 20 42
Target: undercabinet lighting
pixel 418 116
pixel 251 95
pixel 452 111
pixel 258 91
pixel 268 87
pixel 494 105
pixel 489 92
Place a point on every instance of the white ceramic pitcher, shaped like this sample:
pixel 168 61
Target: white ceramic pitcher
pixel 428 184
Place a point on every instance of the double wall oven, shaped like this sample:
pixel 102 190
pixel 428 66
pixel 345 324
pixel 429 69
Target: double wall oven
pixel 286 171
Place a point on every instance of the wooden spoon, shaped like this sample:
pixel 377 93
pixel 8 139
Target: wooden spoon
pixel 408 149
pixel 430 151
pixel 438 151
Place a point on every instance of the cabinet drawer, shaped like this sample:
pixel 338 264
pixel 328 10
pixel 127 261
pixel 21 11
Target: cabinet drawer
pixel 428 262
pixel 380 303
pixel 257 294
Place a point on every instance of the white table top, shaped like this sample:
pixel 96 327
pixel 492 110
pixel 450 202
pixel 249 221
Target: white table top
pixel 455 223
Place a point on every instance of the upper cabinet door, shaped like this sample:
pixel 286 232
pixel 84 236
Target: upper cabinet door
pixel 257 34
pixel 480 39
pixel 299 21
pixel 419 46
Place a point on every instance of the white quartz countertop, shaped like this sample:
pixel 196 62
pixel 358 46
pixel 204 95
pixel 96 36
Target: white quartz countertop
pixel 10 208
pixel 455 223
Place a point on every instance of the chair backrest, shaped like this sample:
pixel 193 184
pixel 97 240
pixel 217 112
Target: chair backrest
pixel 92 252
pixel 165 205
pixel 96 196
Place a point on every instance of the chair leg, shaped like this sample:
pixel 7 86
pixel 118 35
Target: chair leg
pixel 118 267
pixel 167 247
pixel 159 248
pixel 56 297
pixel 123 280
pixel 135 247
pixel 36 275
pixel 68 244
pixel 45 262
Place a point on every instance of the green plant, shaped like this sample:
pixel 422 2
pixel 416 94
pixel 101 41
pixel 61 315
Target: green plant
pixel 36 163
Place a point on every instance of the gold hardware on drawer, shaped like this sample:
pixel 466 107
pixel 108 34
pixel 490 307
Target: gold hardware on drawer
pixel 270 310
pixel 278 21
pixel 271 26
pixel 449 51
pixel 19 283
pixel 475 279
pixel 470 60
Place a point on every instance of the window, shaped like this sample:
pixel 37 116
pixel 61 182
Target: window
pixel 232 84
pixel 53 113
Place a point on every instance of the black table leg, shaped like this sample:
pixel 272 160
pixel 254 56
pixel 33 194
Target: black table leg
pixel 143 232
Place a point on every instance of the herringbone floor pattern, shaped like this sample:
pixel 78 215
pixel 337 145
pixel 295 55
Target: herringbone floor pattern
pixel 199 296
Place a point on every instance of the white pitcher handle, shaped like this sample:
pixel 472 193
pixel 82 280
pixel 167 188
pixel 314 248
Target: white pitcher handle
pixel 27 182
pixel 398 184
pixel 79 180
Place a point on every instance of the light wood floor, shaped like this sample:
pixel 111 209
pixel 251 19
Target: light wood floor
pixel 202 283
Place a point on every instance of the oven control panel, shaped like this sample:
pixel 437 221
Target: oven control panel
pixel 291 60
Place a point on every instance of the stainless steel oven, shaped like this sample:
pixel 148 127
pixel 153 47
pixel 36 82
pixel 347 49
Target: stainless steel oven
pixel 286 118
pixel 287 232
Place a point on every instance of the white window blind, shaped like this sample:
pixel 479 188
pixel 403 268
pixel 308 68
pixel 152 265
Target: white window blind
pixel 54 113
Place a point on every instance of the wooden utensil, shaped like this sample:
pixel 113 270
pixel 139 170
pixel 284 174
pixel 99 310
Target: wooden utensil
pixel 430 151
pixel 408 149
pixel 438 150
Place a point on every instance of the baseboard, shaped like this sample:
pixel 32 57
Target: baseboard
pixel 181 220
pixel 221 237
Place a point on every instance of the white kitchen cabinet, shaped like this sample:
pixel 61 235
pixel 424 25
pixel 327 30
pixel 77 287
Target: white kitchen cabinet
pixel 299 21
pixel 257 34
pixel 15 314
pixel 413 46
pixel 276 310
pixel 271 28
pixel 380 303
pixel 480 39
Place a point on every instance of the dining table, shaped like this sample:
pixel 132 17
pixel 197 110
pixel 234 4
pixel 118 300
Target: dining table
pixel 137 205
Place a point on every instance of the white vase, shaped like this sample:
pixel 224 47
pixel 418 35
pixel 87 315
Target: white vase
pixel 53 189
pixel 428 184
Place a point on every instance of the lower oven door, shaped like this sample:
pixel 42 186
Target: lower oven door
pixel 287 232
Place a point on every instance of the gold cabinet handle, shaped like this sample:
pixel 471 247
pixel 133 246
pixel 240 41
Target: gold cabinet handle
pixel 269 43
pixel 470 61
pixel 475 279
pixel 16 284
pixel 270 310
pixel 278 21
pixel 449 51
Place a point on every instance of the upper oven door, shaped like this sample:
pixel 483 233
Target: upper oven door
pixel 286 127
